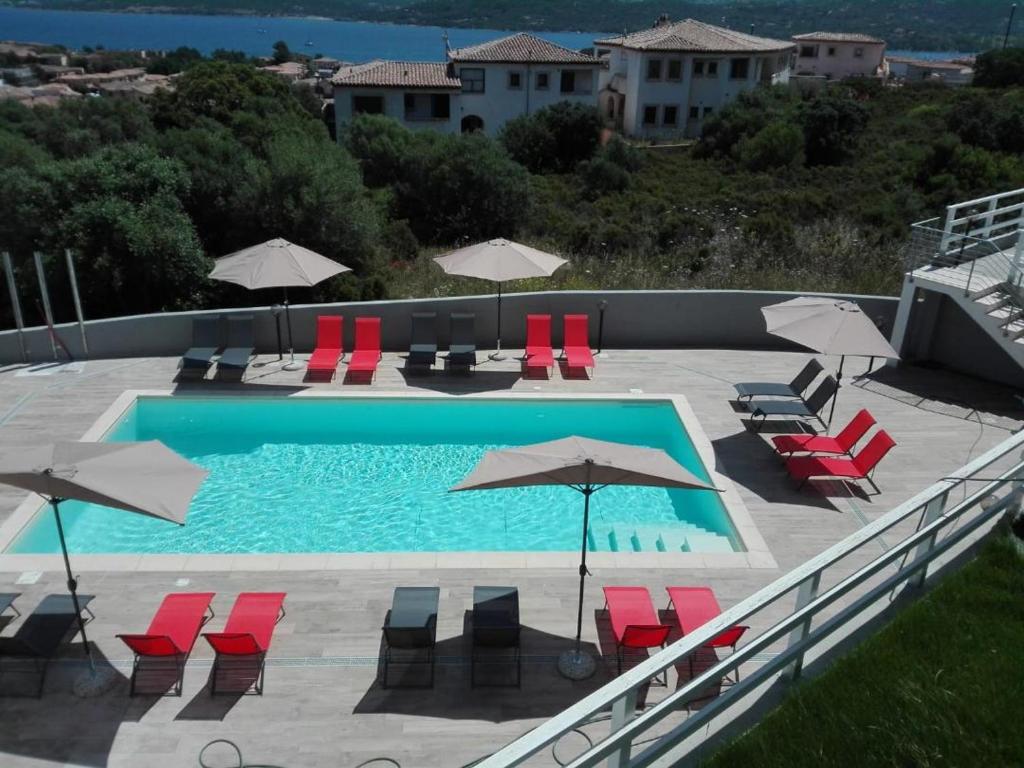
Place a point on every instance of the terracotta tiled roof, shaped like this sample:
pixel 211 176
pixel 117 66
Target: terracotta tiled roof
pixel 521 48
pixel 690 35
pixel 838 37
pixel 398 74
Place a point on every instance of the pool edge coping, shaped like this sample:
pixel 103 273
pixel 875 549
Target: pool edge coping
pixel 755 555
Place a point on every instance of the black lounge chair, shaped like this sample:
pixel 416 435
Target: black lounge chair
pixel 206 341
pixel 462 341
pixel 7 601
pixel 794 389
pixel 495 628
pixel 802 409
pixel 423 340
pixel 235 358
pixel 42 633
pixel 411 629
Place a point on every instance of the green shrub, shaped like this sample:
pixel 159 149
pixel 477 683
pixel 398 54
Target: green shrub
pixel 999 68
pixel 553 139
pixel 777 145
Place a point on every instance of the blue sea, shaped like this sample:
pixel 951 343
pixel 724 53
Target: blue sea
pixel 345 40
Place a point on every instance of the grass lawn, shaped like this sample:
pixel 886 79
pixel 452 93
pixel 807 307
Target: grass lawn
pixel 942 685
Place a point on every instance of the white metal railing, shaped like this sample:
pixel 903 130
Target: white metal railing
pixel 993 496
pixel 985 218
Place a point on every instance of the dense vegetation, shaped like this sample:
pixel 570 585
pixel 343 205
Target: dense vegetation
pixel 784 192
pixel 940 686
pixel 964 25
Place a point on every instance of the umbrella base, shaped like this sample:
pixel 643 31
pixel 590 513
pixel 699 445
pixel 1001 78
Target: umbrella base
pixel 496 356
pixel 576 665
pixel 294 365
pixel 91 684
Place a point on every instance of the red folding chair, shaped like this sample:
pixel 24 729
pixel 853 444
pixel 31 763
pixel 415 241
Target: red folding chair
pixel 247 634
pixel 538 344
pixel 366 352
pixel 329 347
pixel 860 467
pixel 848 437
pixel 634 621
pixel 576 342
pixel 696 606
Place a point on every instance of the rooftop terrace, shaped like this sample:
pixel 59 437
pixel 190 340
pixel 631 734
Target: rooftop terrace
pixel 322 705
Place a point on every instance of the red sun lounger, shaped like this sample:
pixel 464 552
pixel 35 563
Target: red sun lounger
pixel 576 342
pixel 860 467
pixel 841 443
pixel 247 634
pixel 329 347
pixel 366 353
pixel 696 606
pixel 538 343
pixel 171 635
pixel 634 621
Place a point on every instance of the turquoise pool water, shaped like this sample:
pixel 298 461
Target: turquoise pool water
pixel 371 475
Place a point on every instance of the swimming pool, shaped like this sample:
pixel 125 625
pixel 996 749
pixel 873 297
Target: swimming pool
pixel 353 474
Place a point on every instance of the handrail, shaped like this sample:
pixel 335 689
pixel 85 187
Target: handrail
pixel 931 502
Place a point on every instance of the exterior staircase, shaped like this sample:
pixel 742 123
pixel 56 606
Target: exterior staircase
pixel 670 537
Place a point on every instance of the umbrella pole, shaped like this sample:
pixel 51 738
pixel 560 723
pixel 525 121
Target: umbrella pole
pixel 583 564
pixel 578 664
pixel 497 353
pixel 291 365
pixel 839 383
pixel 72 583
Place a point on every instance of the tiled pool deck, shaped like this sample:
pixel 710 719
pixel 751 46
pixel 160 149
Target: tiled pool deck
pixel 322 706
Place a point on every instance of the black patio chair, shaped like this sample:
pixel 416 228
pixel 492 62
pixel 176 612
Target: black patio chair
pixel 410 629
pixel 462 342
pixel 796 409
pixel 241 344
pixel 423 340
pixel 42 633
pixel 206 342
pixel 795 389
pixel 496 629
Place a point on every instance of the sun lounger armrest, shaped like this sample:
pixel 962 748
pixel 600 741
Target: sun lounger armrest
pixel 233 643
pixel 151 645
pixel 644 635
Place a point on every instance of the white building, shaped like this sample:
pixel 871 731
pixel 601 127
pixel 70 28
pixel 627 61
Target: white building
pixel 908 70
pixel 838 55
pixel 667 80
pixel 479 88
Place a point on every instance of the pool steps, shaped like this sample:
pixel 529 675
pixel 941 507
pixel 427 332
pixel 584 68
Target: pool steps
pixel 684 537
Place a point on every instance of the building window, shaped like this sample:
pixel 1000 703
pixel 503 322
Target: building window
pixel 472 79
pixel 739 69
pixel 831 51
pixel 808 51
pixel 427 106
pixel 440 106
pixel 654 69
pixel 708 111
pixel 650 115
pixel 367 105
pixel 568 82
pixel 515 81
pixel 698 68
pixel 675 69
pixel 542 81
pixel 712 68
pixel 694 113
pixel 783 61
pixel 858 53
pixel 669 115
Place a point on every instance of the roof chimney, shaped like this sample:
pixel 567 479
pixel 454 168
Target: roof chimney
pixel 662 21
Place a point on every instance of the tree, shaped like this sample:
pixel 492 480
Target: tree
pixel 555 138
pixel 282 52
pixel 175 61
pixel 831 124
pixel 382 145
pixel 999 68
pixel 777 145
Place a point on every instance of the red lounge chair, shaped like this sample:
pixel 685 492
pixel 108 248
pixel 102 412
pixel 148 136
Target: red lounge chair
pixel 860 467
pixel 366 353
pixel 576 342
pixel 172 633
pixel 695 607
pixel 634 621
pixel 841 443
pixel 329 347
pixel 538 343
pixel 247 634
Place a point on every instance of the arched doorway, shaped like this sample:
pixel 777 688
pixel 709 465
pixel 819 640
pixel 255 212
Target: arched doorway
pixel 472 123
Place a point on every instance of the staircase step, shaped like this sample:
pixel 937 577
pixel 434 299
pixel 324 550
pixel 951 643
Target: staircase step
pixel 673 539
pixel 983 292
pixel 994 301
pixel 709 542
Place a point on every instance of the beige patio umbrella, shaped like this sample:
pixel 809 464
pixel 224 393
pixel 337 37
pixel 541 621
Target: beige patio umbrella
pixel 147 478
pixel 277 264
pixel 499 260
pixel 585 465
pixel 829 326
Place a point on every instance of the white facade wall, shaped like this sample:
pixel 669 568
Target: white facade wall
pixel 394 106
pixel 838 60
pixel 502 100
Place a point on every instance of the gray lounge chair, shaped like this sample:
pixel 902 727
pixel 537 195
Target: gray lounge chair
pixel 423 340
pixel 206 341
pixel 42 633
pixel 411 628
pixel 794 389
pixel 235 358
pixel 462 341
pixel 802 409
pixel 496 628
